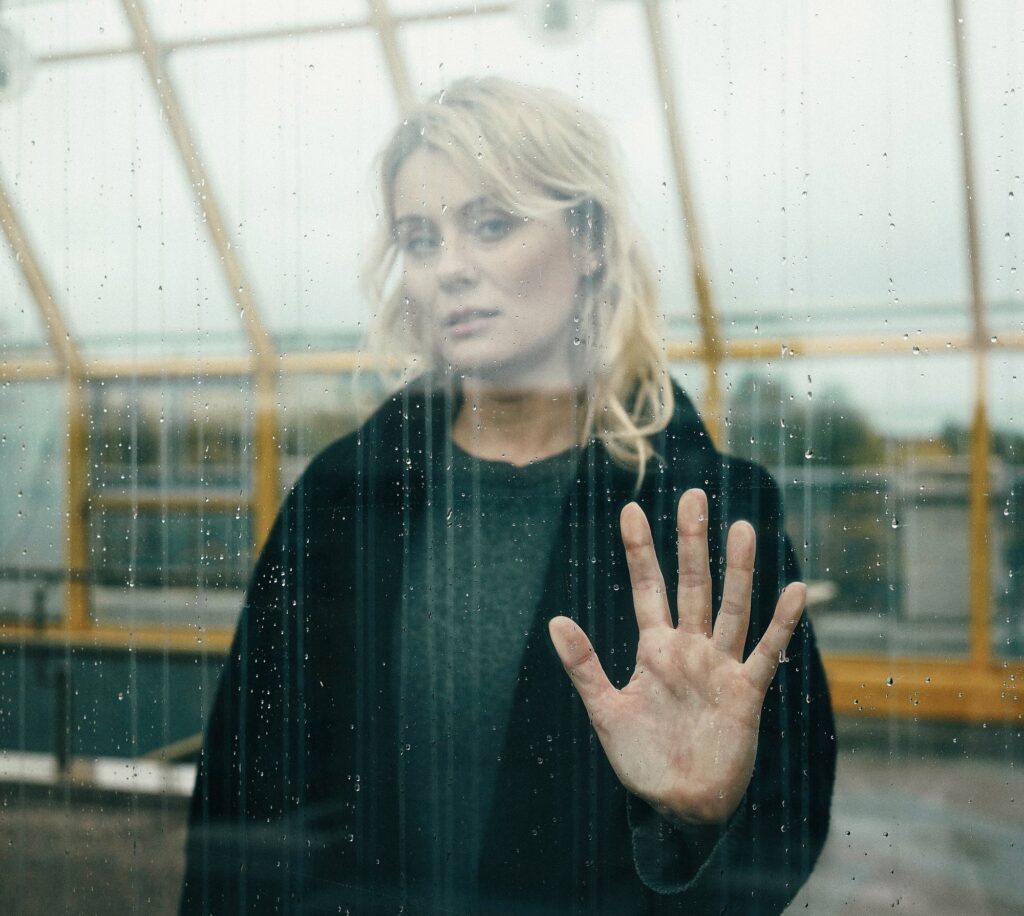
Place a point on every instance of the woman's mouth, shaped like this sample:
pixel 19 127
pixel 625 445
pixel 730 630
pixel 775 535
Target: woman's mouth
pixel 463 322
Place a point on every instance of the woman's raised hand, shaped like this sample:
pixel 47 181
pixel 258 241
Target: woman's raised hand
pixel 682 734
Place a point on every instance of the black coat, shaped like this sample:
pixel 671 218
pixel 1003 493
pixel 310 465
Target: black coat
pixel 296 807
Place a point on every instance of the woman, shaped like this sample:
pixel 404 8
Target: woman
pixel 393 730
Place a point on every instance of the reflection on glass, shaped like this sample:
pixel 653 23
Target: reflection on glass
pixel 21 331
pixel 296 201
pixel 826 165
pixel 32 447
pixel 995 41
pixel 318 409
pixel 63 26
pixel 185 19
pixel 872 457
pixel 1006 487
pixel 169 529
pixel 95 168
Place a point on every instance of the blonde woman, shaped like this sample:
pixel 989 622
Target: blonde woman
pixel 394 730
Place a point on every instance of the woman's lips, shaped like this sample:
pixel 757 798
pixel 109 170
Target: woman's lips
pixel 468 322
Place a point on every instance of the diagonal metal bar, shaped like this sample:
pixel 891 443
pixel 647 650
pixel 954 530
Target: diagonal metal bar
pixel 706 315
pixel 980 524
pixel 153 57
pixel 266 458
pixel 55 327
pixel 387 31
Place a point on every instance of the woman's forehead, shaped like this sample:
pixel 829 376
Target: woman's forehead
pixel 429 180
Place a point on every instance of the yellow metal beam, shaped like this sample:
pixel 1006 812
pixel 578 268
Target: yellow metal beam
pixel 980 571
pixel 196 367
pixel 763 348
pixel 70 364
pixel 344 361
pixel 440 14
pixel 908 688
pixel 76 551
pixel 54 326
pixel 706 316
pixel 266 458
pixel 140 501
pixel 185 639
pixel 265 455
pixel 29 370
pixel 160 77
pixel 387 32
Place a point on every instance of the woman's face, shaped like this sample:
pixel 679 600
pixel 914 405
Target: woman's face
pixel 497 293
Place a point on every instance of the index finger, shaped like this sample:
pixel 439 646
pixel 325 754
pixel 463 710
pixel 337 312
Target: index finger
pixel 649 599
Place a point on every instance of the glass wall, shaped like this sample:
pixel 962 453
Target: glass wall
pixel 829 198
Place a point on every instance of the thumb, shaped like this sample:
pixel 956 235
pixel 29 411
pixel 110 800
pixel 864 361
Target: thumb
pixel 580 661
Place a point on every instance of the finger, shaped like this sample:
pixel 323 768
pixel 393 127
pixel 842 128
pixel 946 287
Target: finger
pixel 580 662
pixel 765 658
pixel 734 615
pixel 694 595
pixel 649 599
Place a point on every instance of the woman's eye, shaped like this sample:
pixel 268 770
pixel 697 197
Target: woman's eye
pixel 494 228
pixel 419 244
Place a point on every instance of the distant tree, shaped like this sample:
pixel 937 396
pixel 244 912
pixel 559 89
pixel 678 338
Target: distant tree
pixel 1005 445
pixel 768 423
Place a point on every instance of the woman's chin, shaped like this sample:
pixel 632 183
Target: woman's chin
pixel 474 357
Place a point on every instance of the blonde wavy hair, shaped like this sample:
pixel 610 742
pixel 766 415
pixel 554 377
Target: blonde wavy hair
pixel 536 154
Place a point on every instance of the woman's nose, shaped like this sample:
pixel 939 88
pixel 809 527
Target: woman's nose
pixel 455 268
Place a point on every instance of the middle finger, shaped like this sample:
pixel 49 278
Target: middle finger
pixel 694 595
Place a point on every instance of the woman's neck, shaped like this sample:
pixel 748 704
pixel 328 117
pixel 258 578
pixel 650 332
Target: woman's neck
pixel 516 426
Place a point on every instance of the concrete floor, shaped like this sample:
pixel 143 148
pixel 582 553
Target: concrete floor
pixel 925 820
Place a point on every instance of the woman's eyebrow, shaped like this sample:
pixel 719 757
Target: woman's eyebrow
pixel 467 210
pixel 477 204
pixel 412 220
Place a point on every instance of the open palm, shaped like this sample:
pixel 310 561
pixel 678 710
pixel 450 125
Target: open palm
pixel 682 734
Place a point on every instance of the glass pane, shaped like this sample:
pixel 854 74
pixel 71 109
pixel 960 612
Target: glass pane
pixel 174 20
pixel 298 198
pixel 62 26
pixel 170 534
pixel 32 534
pixel 868 454
pixel 317 410
pixel 94 172
pixel 826 164
pixel 21 329
pixel 189 435
pixel 609 73
pixel 995 45
pixel 394 601
pixel 1006 418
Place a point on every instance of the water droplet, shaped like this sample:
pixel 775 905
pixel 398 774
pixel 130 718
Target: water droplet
pixel 809 454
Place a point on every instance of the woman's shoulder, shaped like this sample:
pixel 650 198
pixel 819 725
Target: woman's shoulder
pixel 373 457
pixel 743 487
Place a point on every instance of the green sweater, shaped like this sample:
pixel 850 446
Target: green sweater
pixel 472 577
